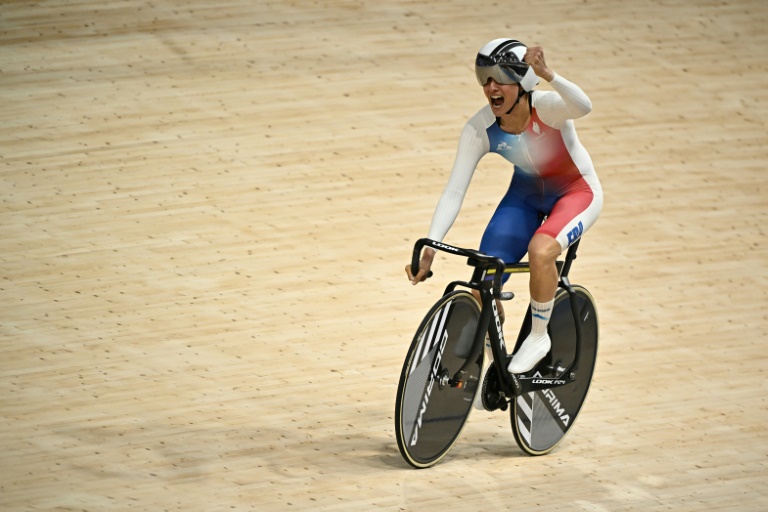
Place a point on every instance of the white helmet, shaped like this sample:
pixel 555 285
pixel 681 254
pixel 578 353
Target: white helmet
pixel 502 60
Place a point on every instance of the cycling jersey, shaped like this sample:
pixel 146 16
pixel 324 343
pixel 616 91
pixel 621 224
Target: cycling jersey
pixel 553 175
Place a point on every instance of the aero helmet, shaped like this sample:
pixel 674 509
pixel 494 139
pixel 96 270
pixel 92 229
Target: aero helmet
pixel 502 60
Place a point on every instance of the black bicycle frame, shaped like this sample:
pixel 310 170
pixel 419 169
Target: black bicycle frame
pixel 510 384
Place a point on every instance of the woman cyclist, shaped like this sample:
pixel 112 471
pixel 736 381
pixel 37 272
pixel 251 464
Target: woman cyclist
pixel 554 196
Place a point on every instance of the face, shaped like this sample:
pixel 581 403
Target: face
pixel 501 97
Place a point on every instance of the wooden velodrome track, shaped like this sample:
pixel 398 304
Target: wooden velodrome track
pixel 205 212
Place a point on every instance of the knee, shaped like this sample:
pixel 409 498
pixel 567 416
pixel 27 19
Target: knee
pixel 543 251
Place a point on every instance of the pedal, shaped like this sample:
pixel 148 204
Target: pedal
pixel 492 397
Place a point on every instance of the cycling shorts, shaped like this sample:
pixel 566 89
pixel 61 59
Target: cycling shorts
pixel 534 205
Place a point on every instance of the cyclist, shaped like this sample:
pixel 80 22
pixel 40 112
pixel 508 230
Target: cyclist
pixel 554 196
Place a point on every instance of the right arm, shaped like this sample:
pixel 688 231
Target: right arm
pixel 568 100
pixel 473 144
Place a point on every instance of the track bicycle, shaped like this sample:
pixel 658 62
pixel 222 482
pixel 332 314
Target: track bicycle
pixel 442 372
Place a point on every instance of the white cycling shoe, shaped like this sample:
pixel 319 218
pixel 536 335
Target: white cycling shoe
pixel 533 350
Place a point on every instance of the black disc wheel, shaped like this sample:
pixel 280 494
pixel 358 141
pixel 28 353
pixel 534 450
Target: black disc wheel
pixel 439 380
pixel 541 419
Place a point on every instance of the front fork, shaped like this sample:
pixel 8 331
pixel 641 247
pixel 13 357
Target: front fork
pixel 498 345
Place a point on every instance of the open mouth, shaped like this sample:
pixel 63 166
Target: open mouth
pixel 497 101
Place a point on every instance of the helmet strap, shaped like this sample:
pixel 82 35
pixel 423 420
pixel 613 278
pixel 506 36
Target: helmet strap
pixel 519 95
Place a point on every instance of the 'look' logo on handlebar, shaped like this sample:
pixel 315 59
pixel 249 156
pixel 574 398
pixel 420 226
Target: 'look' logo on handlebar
pixel 446 247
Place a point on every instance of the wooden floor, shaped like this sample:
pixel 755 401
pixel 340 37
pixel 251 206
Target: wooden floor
pixel 206 207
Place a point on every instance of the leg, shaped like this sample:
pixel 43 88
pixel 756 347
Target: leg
pixel 507 236
pixel 571 215
pixel 542 254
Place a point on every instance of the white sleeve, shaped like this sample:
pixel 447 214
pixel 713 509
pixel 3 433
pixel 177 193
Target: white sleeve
pixel 568 101
pixel 473 144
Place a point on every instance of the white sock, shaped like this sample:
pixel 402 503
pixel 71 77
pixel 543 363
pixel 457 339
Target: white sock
pixel 540 313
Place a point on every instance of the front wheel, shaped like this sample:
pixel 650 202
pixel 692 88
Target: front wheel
pixel 439 380
pixel 541 419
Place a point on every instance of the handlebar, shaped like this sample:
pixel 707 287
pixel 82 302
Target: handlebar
pixel 476 259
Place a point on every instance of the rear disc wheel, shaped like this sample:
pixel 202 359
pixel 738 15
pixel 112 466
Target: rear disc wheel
pixel 541 419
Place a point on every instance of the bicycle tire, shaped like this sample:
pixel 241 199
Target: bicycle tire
pixel 540 420
pixel 432 407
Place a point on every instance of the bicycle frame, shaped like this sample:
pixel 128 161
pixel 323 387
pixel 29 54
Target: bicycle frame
pixel 485 266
